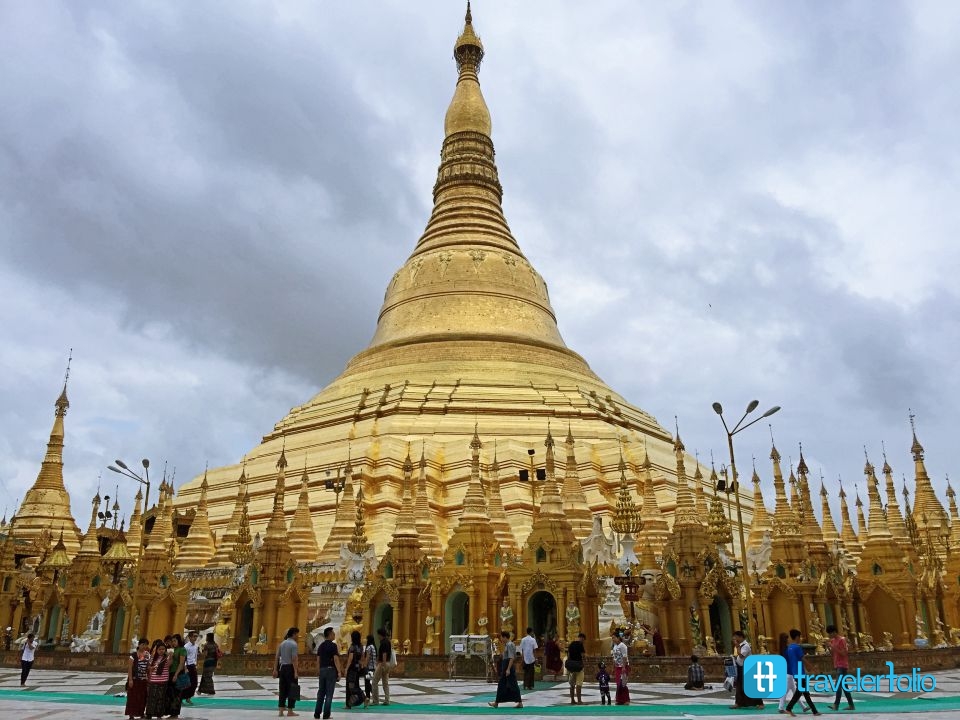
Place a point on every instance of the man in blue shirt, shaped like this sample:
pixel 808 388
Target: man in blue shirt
pixel 794 660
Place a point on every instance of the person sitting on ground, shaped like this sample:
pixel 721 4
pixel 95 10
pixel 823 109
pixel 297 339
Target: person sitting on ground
pixel 694 674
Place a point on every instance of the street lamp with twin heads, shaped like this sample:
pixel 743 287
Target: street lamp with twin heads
pixel 121 468
pixel 735 484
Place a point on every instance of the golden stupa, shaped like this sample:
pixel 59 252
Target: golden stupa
pixel 466 336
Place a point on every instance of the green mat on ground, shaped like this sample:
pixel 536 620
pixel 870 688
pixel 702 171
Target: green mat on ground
pixel 936 703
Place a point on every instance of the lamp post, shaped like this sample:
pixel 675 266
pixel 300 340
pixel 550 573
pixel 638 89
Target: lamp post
pixel 336 484
pixel 533 476
pixel 122 468
pixel 735 485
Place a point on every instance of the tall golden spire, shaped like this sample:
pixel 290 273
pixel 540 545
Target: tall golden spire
pixel 761 522
pixel 198 546
pixel 655 527
pixel 830 534
pixel 784 518
pixel 426 529
pixel 810 529
pixel 90 544
pixel 703 510
pixel 277 525
pixel 550 501
pixel 686 511
pixel 224 555
pixel 303 538
pixel 895 521
pixel 46 505
pixel 928 512
pixel 847 533
pixel 502 529
pixel 878 527
pixel 135 533
pixel 861 520
pixel 574 500
pixel 954 518
pixel 406 520
pixel 474 502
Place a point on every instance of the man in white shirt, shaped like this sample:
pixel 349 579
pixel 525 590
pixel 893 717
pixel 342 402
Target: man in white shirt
pixel 743 651
pixel 26 658
pixel 527 647
pixel 192 651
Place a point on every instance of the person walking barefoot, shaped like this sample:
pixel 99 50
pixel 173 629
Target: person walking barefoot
pixel 507 688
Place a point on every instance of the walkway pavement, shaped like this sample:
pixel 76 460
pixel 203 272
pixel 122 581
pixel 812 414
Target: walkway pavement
pixel 89 695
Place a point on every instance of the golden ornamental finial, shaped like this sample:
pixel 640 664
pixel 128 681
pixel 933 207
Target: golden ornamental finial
pixel 916 448
pixel 282 460
pixel 63 404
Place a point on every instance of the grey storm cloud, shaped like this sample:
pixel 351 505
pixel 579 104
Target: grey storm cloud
pixel 726 199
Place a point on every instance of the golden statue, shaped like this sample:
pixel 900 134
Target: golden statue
pixel 428 640
pixel 406 646
pixel 506 616
pixel 573 621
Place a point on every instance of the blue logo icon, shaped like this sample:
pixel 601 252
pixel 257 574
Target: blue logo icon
pixel 765 676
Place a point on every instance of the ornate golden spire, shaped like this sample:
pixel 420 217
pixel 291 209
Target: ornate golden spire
pixel 656 530
pixel 954 518
pixel 812 533
pixel 721 532
pixel 703 509
pixel 406 520
pixel 474 503
pixel 574 500
pixel 785 521
pixel 861 520
pixel 90 544
pixel 225 548
pixel 847 533
pixel 135 534
pixel 277 525
pixel 895 521
pixel 303 538
pixel 198 547
pixel 358 543
pixel 502 529
pixel 928 512
pixel 46 505
pixel 877 527
pixel 830 534
pixel 626 518
pixel 550 502
pixel 242 550
pixel 426 529
pixel 686 511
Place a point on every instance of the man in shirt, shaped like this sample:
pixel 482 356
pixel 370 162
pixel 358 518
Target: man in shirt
pixel 841 663
pixel 330 670
pixel 191 647
pixel 743 650
pixel 286 670
pixel 527 647
pixel 26 658
pixel 794 665
pixel 575 653
pixel 381 675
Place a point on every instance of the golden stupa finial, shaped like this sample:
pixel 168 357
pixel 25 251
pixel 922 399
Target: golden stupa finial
pixel 916 448
pixel 886 465
pixel 63 404
pixel 468 49
pixel 282 460
pixel 677 443
pixel 774 453
pixel 802 468
pixel 358 543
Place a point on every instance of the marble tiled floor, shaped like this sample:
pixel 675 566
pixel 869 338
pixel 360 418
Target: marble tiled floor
pixel 82 695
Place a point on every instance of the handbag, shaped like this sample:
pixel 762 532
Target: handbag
pixel 293 693
pixel 183 681
pixel 573 666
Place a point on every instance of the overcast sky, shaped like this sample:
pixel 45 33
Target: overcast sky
pixel 206 200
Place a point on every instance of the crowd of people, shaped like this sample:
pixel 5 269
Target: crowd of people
pixel 163 676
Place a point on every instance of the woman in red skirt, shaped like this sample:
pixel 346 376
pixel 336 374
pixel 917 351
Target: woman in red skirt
pixel 621 667
pixel 138 678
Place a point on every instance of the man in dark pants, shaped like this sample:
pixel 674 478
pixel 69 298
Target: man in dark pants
pixel 329 655
pixel 528 647
pixel 191 664
pixel 794 666
pixel 286 670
